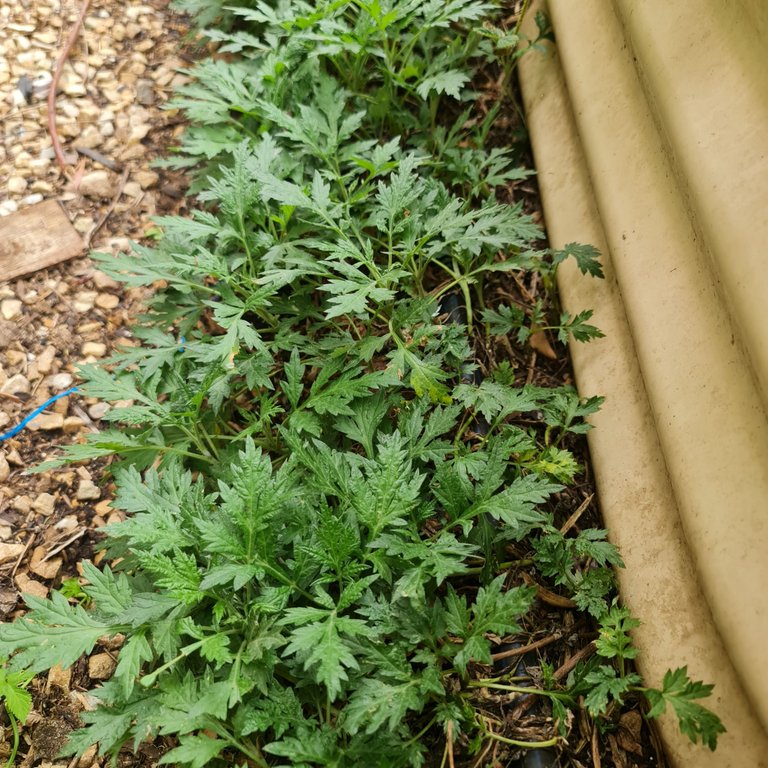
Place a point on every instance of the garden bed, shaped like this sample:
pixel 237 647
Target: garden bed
pixel 360 526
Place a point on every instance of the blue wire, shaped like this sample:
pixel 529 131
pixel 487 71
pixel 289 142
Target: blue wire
pixel 23 423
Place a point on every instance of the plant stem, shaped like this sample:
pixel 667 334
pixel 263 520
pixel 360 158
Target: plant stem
pixel 15 747
pixel 523 744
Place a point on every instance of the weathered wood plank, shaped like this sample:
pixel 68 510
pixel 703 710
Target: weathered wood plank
pixel 35 238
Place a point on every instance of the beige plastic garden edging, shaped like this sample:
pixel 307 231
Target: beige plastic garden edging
pixel 649 124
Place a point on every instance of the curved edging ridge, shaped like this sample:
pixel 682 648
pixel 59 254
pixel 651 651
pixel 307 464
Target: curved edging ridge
pixel 682 436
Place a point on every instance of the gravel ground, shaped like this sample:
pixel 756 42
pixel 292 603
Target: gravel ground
pixel 112 126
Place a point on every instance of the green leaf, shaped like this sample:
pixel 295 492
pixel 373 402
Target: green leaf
pixel 606 685
pixel 194 750
pixel 680 692
pixel 293 384
pixel 516 505
pixel 319 642
pixel 614 640
pixel 450 82
pixel 586 256
pixel 493 611
pixel 133 654
pixel 13 693
pixel 53 632
pixel 111 593
pixel 375 704
pixel 494 400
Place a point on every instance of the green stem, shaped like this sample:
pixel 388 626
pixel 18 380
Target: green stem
pixel 502 566
pixel 520 18
pixel 418 736
pixel 15 748
pixel 523 744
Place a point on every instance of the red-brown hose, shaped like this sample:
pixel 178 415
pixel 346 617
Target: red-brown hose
pixel 57 150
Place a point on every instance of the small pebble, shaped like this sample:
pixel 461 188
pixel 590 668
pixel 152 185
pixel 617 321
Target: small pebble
pixel 44 504
pixel 145 92
pixel 107 301
pixel 97 184
pixel 132 189
pixel 103 281
pixel 10 308
pixel 101 666
pixel 47 422
pixel 83 224
pixel 10 552
pixel 16 385
pixel 62 678
pixel 29 586
pixel 98 410
pixel 15 357
pixel 94 349
pixel 61 381
pixel 138 132
pixel 146 179
pixel 22 504
pixel 31 199
pixel 16 185
pixel 84 300
pixel 45 360
pixel 87 490
pixel 5 468
pixel 72 424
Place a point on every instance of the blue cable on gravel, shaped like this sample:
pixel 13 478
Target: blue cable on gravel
pixel 23 423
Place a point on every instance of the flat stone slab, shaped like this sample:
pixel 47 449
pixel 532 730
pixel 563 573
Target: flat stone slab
pixel 36 237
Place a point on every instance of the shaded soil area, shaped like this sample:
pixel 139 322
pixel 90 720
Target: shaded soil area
pixel 112 126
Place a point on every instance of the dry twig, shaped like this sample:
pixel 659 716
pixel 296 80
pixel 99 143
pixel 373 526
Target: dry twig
pixel 57 150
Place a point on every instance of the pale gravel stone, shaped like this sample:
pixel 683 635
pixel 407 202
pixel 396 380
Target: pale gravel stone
pixel 16 185
pixel 45 359
pixel 72 424
pixel 98 410
pixel 146 179
pixel 87 490
pixel 132 189
pixel 29 586
pixel 17 384
pixel 45 504
pixel 103 281
pixel 83 224
pixel 61 381
pixel 10 308
pixel 22 504
pixel 94 349
pixel 62 678
pixel 107 301
pixel 5 469
pixel 101 666
pixel 98 184
pixel 145 92
pixel 84 300
pixel 9 553
pixel 138 132
pixel 47 422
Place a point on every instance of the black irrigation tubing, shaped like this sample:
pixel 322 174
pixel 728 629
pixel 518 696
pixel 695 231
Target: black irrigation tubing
pixel 545 757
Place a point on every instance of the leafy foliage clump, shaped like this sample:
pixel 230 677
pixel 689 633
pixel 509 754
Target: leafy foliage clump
pixel 315 470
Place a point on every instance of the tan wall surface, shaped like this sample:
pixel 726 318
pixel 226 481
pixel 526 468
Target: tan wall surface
pixel 681 445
